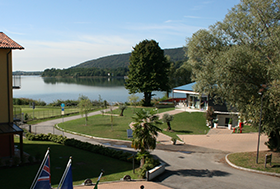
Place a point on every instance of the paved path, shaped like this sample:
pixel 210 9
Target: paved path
pixel 245 142
pixel 188 165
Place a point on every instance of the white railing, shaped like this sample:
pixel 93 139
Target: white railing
pixel 16 81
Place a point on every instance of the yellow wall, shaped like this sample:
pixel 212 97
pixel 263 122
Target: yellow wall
pixel 4 106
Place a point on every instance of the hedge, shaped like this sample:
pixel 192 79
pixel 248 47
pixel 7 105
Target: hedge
pixel 98 149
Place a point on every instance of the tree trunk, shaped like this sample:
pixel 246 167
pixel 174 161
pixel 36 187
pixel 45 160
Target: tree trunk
pixel 147 100
pixel 86 118
pixel 168 126
pixel 167 93
pixel 142 162
pixel 121 114
pixel 277 139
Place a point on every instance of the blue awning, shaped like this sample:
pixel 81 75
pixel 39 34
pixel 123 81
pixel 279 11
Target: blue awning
pixel 188 87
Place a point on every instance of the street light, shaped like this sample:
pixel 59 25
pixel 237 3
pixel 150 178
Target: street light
pixel 261 93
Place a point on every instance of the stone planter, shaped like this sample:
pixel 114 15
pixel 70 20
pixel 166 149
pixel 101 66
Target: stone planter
pixel 229 126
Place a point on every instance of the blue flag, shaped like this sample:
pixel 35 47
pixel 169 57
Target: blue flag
pixel 66 181
pixel 44 178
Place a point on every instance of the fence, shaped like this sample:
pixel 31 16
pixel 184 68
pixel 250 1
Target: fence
pixel 17 113
pixel 37 129
pixel 47 112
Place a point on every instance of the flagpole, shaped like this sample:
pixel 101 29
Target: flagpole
pixel 65 172
pixel 42 164
pixel 102 171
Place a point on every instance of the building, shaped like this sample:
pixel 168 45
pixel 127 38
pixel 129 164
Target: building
pixel 7 128
pixel 201 102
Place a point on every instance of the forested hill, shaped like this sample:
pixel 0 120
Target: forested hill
pixel 122 60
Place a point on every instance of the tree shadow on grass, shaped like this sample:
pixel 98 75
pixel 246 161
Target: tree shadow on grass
pixel 182 131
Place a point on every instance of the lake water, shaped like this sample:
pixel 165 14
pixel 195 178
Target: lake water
pixel 52 89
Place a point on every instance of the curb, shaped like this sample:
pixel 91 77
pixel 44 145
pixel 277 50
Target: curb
pixel 250 170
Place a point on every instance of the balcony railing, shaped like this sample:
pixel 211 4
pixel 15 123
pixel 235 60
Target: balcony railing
pixel 16 81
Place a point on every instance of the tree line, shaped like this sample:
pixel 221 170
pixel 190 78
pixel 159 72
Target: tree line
pixel 85 72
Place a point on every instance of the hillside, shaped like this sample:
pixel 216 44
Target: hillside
pixel 122 60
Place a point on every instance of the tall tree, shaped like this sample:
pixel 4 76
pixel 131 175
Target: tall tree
pixel 236 56
pixel 148 70
pixel 145 132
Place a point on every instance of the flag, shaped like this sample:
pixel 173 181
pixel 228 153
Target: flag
pixel 66 181
pixel 43 178
pixel 95 187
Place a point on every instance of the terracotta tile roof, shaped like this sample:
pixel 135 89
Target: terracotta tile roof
pixel 8 43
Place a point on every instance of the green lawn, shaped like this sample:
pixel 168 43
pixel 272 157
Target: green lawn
pixel 186 123
pixel 105 126
pixel 85 165
pixel 101 125
pixel 248 160
pixel 248 129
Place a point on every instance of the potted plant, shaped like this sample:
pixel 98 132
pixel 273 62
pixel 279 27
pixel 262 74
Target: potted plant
pixel 215 123
pixel 173 139
pixel 230 124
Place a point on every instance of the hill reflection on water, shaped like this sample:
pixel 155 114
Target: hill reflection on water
pixel 106 82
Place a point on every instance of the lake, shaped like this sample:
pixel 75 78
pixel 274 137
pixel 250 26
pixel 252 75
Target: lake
pixel 52 89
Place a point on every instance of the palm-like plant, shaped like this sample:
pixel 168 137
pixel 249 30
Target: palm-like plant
pixel 167 118
pixel 122 108
pixel 145 131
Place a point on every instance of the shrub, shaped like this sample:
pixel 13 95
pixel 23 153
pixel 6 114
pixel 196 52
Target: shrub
pixel 99 149
pixel 28 101
pixel 150 163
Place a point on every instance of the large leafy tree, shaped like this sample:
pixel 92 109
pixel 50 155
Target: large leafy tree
pixel 148 70
pixel 145 132
pixel 235 57
pixel 179 74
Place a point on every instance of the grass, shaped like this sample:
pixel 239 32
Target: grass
pixel 248 129
pixel 85 165
pixel 101 125
pixel 186 123
pixel 248 160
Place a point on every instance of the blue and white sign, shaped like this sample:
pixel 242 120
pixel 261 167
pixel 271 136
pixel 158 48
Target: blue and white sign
pixel 62 108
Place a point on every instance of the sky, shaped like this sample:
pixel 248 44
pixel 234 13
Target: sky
pixel 65 33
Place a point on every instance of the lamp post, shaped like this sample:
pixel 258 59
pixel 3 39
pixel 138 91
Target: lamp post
pixel 261 93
